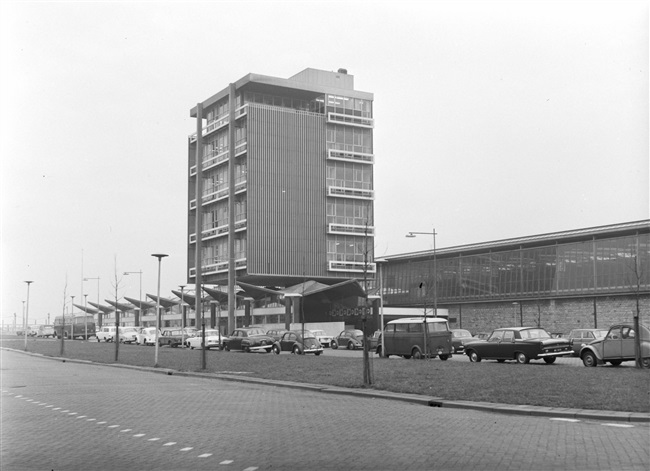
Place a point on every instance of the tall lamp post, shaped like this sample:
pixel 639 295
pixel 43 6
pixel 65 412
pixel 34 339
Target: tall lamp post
pixel 140 295
pixel 182 287
pixel 380 264
pixel 159 256
pixel 96 278
pixel 27 312
pixel 435 283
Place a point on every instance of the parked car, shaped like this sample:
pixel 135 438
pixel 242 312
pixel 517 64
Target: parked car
pixel 298 342
pixel 146 336
pixel 45 331
pixel 107 334
pixel 276 333
pixel 324 339
pixel 171 337
pixel 350 339
pixel 213 339
pixel 459 338
pixel 617 346
pixel 374 341
pixel 482 335
pixel 578 338
pixel 249 339
pixel 518 343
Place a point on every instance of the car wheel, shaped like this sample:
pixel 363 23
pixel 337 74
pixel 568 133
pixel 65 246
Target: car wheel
pixel 350 346
pixel 317 353
pixel 474 357
pixel 616 362
pixel 334 345
pixel 549 360
pixel 501 360
pixel 379 350
pixel 522 358
pixel 443 357
pixel 275 349
pixel 589 359
pixel 407 357
pixel 645 362
pixel 416 354
pixel 226 348
pixel 296 349
pixel 191 348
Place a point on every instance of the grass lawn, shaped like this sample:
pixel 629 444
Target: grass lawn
pixel 601 388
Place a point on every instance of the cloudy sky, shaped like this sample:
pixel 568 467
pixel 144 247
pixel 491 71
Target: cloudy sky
pixel 493 120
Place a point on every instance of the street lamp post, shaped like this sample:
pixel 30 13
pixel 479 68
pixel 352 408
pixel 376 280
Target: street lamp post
pixel 435 284
pixel 86 317
pixel 27 312
pixel 99 312
pixel 182 287
pixel 380 264
pixel 159 256
pixel 140 295
pixel 71 319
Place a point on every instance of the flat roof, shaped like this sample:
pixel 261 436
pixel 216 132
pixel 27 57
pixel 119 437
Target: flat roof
pixel 597 232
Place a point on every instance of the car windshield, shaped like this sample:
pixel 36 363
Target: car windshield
pixel 318 332
pixel 256 332
pixel 535 334
pixel 211 332
pixel 461 333
pixel 600 334
pixel 309 335
pixel 358 333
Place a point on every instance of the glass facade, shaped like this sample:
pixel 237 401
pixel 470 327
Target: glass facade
pixel 583 268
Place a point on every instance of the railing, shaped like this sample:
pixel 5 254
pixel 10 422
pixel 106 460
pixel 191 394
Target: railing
pixel 357 267
pixel 219 231
pixel 350 120
pixel 219 267
pixel 356 193
pixel 212 161
pixel 209 198
pixel 351 229
pixel 220 122
pixel 349 156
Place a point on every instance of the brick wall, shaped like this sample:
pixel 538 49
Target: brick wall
pixel 555 315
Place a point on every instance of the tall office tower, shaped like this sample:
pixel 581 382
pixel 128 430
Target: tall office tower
pixel 286 181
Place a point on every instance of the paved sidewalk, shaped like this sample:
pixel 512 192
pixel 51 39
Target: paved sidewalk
pixel 429 401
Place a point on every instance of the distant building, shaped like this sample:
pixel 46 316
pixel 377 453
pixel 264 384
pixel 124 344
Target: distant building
pixel 292 161
pixel 588 277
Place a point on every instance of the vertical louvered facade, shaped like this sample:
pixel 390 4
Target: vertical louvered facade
pixel 303 193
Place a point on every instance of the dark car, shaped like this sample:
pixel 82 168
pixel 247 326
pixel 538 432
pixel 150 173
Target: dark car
pixel 518 343
pixel 618 346
pixel 171 337
pixel 459 338
pixel 578 338
pixel 350 339
pixel 295 341
pixel 249 339
pixel 276 333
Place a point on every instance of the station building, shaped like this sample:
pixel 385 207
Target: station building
pixel 583 278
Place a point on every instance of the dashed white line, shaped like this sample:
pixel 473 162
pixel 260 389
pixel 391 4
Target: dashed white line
pixel 113 426
pixel 205 455
pixel 252 468
pixel 169 444
pixel 138 435
pixel 619 425
pixel 560 419
pixel 126 430
pixel 101 423
pixel 91 420
pixel 226 462
pixel 153 439
pixel 188 448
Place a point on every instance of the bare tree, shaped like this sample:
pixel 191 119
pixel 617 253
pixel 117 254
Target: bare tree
pixel 117 281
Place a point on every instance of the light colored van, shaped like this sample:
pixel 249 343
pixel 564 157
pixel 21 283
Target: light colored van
pixel 406 337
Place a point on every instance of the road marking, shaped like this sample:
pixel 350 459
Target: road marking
pixel 154 439
pixel 139 435
pixel 169 444
pixel 252 468
pixel 80 416
pixel 51 405
pixel 113 426
pixel 205 455
pixel 187 448
pixel 564 420
pixel 67 410
pixel 72 413
pixel 90 420
pixel 619 425
pixel 101 423
pixel 226 462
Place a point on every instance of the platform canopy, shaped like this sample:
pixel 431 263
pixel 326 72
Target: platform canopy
pixel 86 309
pixel 104 309
pixel 218 295
pixel 189 297
pixel 164 302
pixel 141 304
pixel 120 306
pixel 347 292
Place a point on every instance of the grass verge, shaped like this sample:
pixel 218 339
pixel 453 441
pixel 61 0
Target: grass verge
pixel 539 384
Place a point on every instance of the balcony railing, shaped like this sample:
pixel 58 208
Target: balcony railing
pixel 220 122
pixel 350 120
pixel 349 156
pixel 240 187
pixel 356 267
pixel 212 161
pixel 351 229
pixel 219 231
pixel 355 193
pixel 218 267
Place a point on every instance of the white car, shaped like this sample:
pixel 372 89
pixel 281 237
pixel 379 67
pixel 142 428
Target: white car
pixel 147 336
pixel 324 339
pixel 126 334
pixel 212 340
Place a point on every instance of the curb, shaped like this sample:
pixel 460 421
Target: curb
pixel 429 401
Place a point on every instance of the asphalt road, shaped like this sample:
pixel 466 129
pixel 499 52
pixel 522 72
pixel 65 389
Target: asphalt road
pixel 77 416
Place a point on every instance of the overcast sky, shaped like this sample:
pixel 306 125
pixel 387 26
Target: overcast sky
pixel 493 120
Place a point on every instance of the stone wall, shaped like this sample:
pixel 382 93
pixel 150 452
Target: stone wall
pixel 555 315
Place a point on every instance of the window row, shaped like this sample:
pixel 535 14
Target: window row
pixel 216 251
pixel 349 175
pixel 348 105
pixel 349 249
pixel 349 211
pixel 282 101
pixel 349 138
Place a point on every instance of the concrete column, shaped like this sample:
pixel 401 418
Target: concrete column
pixel 213 315
pixel 287 312
pixel 247 311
